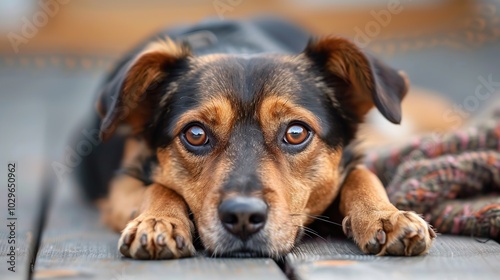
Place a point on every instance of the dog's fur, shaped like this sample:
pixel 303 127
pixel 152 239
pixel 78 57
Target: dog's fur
pixel 245 103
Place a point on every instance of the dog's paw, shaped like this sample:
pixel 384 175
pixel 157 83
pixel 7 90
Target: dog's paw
pixel 397 233
pixel 153 238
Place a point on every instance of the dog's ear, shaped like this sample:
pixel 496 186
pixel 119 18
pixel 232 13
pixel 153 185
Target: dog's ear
pixel 134 90
pixel 369 82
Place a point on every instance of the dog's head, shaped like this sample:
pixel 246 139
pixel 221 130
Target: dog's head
pixel 252 143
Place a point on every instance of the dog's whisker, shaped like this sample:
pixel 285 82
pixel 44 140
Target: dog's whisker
pixel 309 215
pixel 196 239
pixel 311 231
pixel 319 218
pixel 214 253
pixel 306 234
pixel 314 233
pixel 329 222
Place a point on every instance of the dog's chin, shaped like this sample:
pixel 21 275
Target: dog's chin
pixel 231 247
pixel 247 250
pixel 222 244
pixel 241 250
pixel 244 253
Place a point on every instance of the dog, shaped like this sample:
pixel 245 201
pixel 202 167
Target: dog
pixel 241 134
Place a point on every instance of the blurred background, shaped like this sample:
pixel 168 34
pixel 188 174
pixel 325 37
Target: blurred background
pixel 54 53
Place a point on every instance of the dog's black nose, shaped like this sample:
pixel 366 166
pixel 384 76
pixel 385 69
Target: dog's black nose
pixel 243 216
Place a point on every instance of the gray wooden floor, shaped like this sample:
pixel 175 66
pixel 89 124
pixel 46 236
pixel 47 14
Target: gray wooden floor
pixel 75 246
pixel 40 110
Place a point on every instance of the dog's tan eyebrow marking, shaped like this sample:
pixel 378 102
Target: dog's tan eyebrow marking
pixel 216 112
pixel 275 110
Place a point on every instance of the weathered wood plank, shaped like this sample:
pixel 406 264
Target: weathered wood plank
pixel 32 103
pixel 75 246
pixel 22 122
pixel 452 257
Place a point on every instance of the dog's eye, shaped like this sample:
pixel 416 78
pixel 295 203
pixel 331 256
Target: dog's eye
pixel 296 134
pixel 196 135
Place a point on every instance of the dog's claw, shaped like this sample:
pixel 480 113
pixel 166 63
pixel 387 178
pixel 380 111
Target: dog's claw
pixel 373 247
pixel 125 250
pixel 179 241
pixel 381 237
pixel 346 227
pixel 144 240
pixel 409 233
pixel 160 240
pixel 128 239
pixel 431 231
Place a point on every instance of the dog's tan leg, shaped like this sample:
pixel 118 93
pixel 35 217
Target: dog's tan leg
pixel 375 224
pixel 162 230
pixel 125 192
pixel 122 205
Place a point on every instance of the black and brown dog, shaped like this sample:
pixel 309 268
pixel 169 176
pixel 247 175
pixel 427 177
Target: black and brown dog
pixel 245 139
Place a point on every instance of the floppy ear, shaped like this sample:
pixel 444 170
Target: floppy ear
pixel 369 82
pixel 134 89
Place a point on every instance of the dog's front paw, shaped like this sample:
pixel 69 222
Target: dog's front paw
pixel 398 233
pixel 151 237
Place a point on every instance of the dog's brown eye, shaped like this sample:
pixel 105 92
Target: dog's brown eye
pixel 196 136
pixel 296 134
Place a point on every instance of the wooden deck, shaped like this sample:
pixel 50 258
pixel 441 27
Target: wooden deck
pixel 75 246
